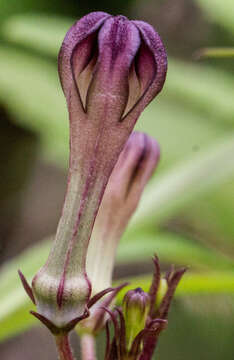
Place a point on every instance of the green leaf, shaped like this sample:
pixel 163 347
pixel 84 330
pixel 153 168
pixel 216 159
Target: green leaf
pixel 38 32
pixel 170 248
pixel 202 89
pixel 29 261
pixel 32 94
pixel 171 190
pixel 213 216
pixel 219 12
pixel 17 321
pixel 215 52
pixel 14 304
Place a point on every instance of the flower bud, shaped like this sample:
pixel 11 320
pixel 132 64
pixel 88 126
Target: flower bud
pixel 138 325
pixel 110 68
pixel 131 173
pixel 136 305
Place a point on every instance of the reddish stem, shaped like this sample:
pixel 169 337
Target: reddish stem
pixel 64 347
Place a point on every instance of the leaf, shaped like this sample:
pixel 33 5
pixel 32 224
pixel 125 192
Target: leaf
pixel 213 216
pixel 29 261
pixel 170 248
pixel 171 190
pixel 17 321
pixel 30 90
pixel 203 89
pixel 219 12
pixel 215 52
pixel 14 304
pixel 38 32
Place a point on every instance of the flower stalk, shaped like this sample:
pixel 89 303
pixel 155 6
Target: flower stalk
pixel 64 347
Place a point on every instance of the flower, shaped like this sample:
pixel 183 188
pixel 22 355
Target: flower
pixel 110 68
pixel 131 173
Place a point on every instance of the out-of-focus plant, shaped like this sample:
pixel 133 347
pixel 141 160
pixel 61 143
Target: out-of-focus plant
pixel 211 52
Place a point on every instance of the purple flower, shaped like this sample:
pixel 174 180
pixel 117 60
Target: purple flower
pixel 110 68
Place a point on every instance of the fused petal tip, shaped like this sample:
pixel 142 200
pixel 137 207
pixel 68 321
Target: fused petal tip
pixel 104 54
pixel 78 35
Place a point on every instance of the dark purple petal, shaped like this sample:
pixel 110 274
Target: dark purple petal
pixel 154 45
pixel 118 43
pixel 150 67
pixel 76 51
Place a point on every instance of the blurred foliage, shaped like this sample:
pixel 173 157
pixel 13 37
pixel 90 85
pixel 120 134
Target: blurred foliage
pixel 186 214
pixel 199 328
pixel 215 53
pixel 219 12
pixel 75 8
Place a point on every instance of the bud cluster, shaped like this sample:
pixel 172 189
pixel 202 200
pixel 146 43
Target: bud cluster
pixel 142 317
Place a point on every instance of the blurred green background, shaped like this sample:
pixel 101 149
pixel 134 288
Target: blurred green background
pixel 186 215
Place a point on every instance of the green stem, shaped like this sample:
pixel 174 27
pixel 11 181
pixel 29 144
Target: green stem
pixel 64 347
pixel 88 347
